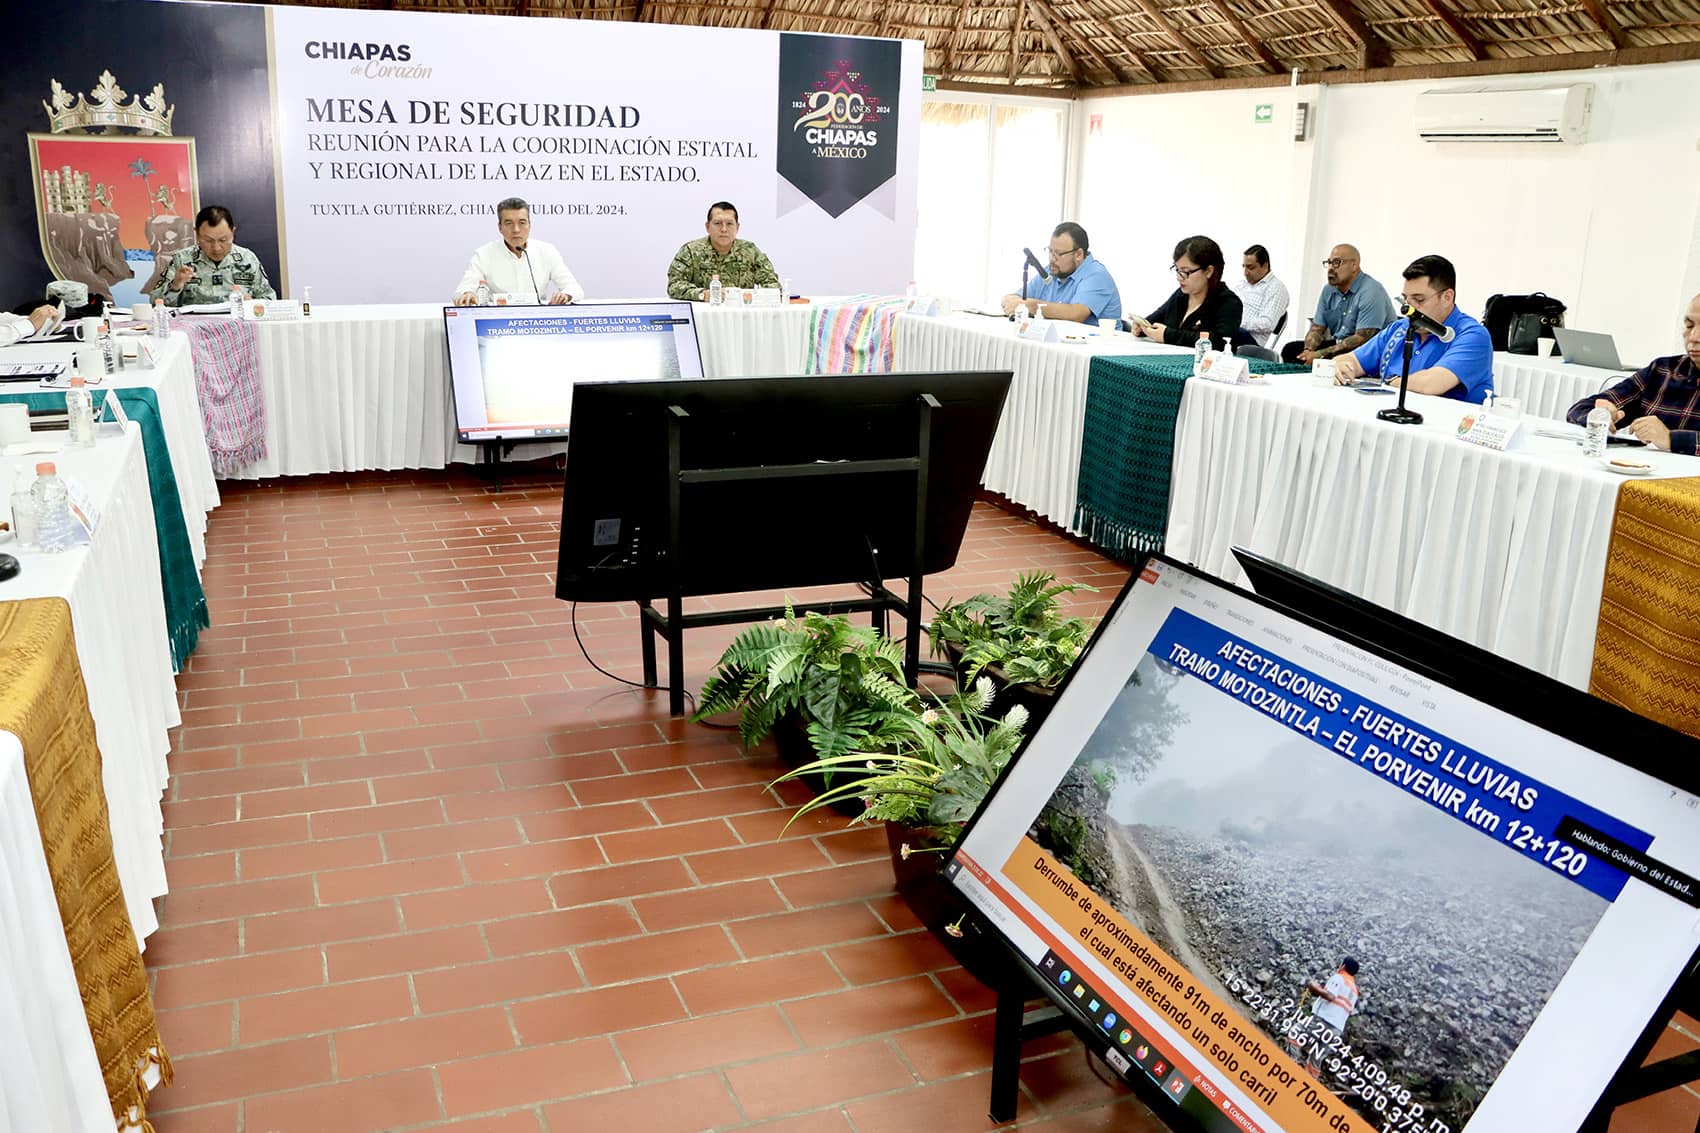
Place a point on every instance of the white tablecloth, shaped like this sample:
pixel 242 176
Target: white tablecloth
pixel 52 1079
pixel 118 615
pixel 1035 456
pixel 173 383
pixel 1504 550
pixel 367 387
pixel 1547 386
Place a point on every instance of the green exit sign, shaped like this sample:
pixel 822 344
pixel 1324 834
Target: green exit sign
pixel 929 83
pixel 1264 114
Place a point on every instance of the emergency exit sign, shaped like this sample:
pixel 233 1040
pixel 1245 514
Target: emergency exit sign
pixel 929 83
pixel 1264 114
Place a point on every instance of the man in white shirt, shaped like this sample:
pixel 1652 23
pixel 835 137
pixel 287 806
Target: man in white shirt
pixel 16 327
pixel 517 265
pixel 1262 295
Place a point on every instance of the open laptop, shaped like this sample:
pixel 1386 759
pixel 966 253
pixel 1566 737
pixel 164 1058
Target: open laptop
pixel 1588 348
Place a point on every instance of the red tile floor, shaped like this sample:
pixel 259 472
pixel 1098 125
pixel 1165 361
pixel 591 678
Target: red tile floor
pixel 430 871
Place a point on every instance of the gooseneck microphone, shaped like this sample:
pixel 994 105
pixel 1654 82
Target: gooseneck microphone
pixel 1420 321
pixel 1033 262
pixel 538 295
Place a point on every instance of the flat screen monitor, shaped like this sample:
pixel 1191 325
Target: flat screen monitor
pixel 1289 880
pixel 776 533
pixel 512 370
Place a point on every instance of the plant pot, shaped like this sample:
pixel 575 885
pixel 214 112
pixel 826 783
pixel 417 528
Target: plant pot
pixel 791 738
pixel 1035 698
pixel 937 904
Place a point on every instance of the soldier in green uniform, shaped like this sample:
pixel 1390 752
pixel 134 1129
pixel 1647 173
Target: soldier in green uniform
pixel 216 264
pixel 739 263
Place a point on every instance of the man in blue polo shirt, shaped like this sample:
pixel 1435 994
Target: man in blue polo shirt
pixel 1080 288
pixel 1462 368
pixel 1351 310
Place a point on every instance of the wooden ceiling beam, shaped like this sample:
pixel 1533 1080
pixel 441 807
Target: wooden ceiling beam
pixel 1168 28
pixel 1462 34
pixel 1372 49
pixel 637 12
pixel 1015 40
pixel 1091 48
pixel 767 13
pixel 1042 17
pixel 950 44
pixel 1269 61
pixel 1597 10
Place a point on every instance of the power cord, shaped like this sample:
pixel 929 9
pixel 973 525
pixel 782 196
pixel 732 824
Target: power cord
pixel 613 676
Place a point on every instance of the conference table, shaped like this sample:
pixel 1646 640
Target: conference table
pixel 1547 387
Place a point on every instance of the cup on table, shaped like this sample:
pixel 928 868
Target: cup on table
pixel 1322 372
pixel 141 312
pixel 14 423
pixel 1545 346
pixel 86 330
pixel 88 362
pixel 1109 326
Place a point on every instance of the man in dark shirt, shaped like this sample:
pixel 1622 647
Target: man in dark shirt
pixel 1661 401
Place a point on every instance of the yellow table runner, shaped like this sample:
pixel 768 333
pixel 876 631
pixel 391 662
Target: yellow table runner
pixel 44 703
pixel 1647 651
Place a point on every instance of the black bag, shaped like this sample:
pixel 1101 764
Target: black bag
pixel 1525 333
pixel 1503 310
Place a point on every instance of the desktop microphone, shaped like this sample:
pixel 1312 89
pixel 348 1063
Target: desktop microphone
pixel 1423 322
pixel 1033 262
pixel 526 252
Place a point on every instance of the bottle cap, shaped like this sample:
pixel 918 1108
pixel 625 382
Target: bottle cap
pixel 46 468
pixel 78 383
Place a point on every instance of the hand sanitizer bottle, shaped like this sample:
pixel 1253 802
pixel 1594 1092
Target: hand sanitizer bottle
pixel 306 302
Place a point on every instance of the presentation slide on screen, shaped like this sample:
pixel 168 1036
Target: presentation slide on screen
pixel 1302 888
pixel 512 369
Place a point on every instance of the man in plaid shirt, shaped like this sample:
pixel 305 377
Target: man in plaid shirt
pixel 1661 401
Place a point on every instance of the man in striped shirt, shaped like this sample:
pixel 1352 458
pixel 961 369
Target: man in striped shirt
pixel 1660 401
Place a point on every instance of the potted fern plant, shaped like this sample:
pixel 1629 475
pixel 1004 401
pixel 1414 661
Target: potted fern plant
pixel 1020 638
pixel 821 686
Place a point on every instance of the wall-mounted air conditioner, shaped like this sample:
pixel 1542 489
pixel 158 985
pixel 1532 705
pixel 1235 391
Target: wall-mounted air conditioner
pixel 1482 114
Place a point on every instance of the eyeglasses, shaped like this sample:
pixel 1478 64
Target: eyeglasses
pixel 1334 263
pixel 1056 255
pixel 1185 273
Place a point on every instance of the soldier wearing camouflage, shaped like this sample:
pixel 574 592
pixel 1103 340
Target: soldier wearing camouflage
pixel 739 263
pixel 211 280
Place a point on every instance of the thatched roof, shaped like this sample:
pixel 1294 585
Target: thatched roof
pixel 1070 45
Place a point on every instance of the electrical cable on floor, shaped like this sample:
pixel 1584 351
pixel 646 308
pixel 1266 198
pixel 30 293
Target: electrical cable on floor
pixel 612 676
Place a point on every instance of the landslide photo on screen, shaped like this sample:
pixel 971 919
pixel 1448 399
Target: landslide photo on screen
pixel 1259 860
pixel 528 375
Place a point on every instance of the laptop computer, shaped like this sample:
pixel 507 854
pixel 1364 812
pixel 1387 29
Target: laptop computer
pixel 1588 348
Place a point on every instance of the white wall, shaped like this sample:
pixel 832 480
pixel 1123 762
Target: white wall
pixel 1611 227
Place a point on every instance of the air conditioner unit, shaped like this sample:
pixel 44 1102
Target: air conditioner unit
pixel 1482 114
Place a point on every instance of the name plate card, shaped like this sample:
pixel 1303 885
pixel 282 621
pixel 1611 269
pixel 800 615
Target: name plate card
pixel 1496 431
pixel 271 310
pixel 82 505
pixel 112 409
pixel 1221 366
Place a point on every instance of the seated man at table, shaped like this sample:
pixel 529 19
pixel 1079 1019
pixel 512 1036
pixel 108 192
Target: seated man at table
pixel 516 265
pixel 215 266
pixel 1080 288
pixel 1203 304
pixel 1262 295
pixel 738 263
pixel 15 327
pixel 1351 310
pixel 1462 368
pixel 1661 400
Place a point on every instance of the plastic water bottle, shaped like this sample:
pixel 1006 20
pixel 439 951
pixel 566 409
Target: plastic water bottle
pixel 236 302
pixel 23 508
pixel 306 302
pixel 482 295
pixel 52 509
pixel 909 295
pixel 1023 320
pixel 1599 426
pixel 716 291
pixel 1037 327
pixel 79 415
pixel 161 320
pixel 1199 350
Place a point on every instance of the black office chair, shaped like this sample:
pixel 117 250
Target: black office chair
pixel 1260 352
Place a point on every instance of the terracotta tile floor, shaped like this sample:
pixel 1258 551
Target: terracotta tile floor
pixel 429 870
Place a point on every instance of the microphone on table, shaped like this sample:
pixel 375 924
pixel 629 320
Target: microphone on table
pixel 1420 321
pixel 1033 262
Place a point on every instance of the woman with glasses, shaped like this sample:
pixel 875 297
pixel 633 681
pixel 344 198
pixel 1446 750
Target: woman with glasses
pixel 1202 304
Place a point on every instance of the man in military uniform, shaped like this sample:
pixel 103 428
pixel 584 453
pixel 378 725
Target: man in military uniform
pixel 208 272
pixel 739 263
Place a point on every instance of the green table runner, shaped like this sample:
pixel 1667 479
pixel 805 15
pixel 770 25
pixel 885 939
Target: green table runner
pixel 1127 447
pixel 185 602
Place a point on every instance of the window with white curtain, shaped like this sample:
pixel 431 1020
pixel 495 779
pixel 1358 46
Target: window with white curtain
pixel 991 183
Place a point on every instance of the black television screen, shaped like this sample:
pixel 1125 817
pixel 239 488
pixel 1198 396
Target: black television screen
pixel 762 534
pixel 1289 880
pixel 512 370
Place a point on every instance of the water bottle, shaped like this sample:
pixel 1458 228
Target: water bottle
pixel 1199 350
pixel 909 294
pixel 161 320
pixel 1599 426
pixel 23 508
pixel 1037 327
pixel 306 302
pixel 236 302
pixel 716 291
pixel 482 295
pixel 79 415
pixel 1023 320
pixel 53 522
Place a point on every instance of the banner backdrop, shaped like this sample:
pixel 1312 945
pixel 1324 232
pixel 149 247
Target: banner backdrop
pixel 363 152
